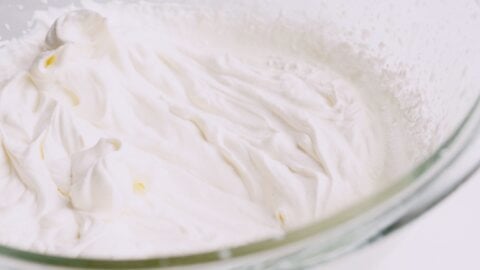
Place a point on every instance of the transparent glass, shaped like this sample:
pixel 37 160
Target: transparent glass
pixel 437 47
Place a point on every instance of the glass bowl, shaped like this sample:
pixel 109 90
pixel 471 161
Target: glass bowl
pixel 433 44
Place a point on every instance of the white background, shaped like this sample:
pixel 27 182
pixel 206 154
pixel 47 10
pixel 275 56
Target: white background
pixel 446 237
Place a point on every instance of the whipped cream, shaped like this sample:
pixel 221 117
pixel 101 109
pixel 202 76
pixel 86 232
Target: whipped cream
pixel 126 133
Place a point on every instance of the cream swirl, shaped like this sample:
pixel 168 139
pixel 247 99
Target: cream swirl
pixel 122 142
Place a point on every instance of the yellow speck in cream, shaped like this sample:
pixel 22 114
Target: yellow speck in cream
pixel 139 186
pixel 281 218
pixel 50 60
pixel 116 144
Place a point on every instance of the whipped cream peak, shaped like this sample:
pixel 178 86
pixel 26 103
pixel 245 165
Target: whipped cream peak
pixel 100 178
pixel 83 27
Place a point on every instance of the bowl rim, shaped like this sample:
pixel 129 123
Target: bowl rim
pixel 385 195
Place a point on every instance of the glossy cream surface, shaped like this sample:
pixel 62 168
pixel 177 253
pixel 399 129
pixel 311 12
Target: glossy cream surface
pixel 127 134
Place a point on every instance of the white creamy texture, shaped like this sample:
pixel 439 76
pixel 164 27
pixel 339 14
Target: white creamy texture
pixel 123 139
